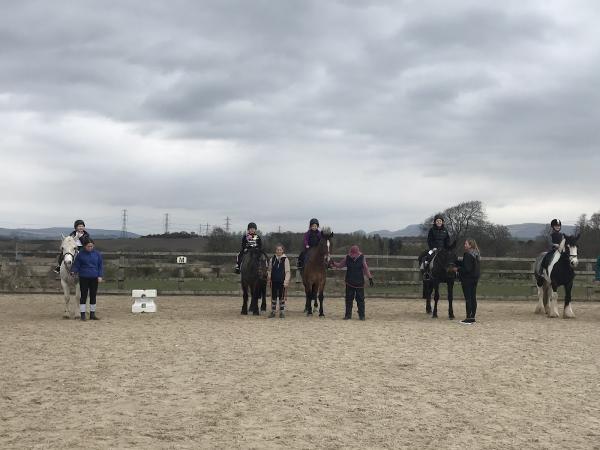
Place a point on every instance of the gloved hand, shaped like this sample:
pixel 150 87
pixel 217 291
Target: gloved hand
pixel 371 283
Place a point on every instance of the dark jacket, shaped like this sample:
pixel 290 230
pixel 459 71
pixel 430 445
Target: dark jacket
pixel 438 237
pixel 354 271
pixel 469 268
pixel 249 241
pixel 88 264
pixel 312 238
pixel 85 235
pixel 278 269
pixel 555 238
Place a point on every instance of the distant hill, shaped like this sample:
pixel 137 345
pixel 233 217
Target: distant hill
pixel 533 230
pixel 518 231
pixel 409 231
pixel 56 232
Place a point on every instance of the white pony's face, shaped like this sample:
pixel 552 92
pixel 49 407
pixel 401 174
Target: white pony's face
pixel 69 250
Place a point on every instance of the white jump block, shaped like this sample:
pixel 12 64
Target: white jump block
pixel 143 300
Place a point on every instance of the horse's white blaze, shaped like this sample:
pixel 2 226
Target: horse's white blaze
pixel 573 256
pixel 569 312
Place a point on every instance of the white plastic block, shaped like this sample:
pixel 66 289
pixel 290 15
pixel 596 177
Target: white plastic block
pixel 143 300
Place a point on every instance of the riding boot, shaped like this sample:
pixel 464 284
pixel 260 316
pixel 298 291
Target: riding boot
pixel 348 314
pixel 361 310
pixel 83 316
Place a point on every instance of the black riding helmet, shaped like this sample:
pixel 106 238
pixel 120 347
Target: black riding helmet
pixel 252 225
pixel 78 222
pixel 313 221
pixel 438 216
pixel 555 222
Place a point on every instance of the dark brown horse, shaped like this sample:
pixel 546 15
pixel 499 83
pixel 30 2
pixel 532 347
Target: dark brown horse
pixel 254 277
pixel 315 272
pixel 439 271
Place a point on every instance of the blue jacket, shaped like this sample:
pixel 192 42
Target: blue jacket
pixel 88 264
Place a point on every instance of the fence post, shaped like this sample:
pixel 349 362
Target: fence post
pixel 415 265
pixel 121 272
pixel 181 277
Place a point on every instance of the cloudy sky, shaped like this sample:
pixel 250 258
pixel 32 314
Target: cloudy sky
pixel 367 115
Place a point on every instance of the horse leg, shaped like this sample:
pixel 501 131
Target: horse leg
pixel 450 286
pixel 568 312
pixel 67 294
pixel 263 293
pixel 321 297
pixel 539 309
pixel 256 291
pixel 436 298
pixel 427 296
pixel 308 304
pixel 554 302
pixel 245 301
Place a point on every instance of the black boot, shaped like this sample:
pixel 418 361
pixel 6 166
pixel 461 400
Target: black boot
pixel 93 315
pixel 82 316
pixel 348 314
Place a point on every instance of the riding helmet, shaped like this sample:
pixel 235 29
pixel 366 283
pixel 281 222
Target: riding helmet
pixel 252 225
pixel 312 222
pixel 78 222
pixel 555 222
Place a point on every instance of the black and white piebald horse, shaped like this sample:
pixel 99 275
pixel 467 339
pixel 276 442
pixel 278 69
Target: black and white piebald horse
pixel 439 271
pixel 557 271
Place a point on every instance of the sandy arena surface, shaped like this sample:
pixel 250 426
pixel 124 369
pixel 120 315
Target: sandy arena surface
pixel 197 374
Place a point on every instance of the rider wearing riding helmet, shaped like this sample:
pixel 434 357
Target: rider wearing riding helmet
pixel 556 236
pixel 437 238
pixel 311 239
pixel 78 233
pixel 249 240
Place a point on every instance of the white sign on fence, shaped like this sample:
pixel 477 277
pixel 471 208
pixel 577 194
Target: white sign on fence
pixel 181 260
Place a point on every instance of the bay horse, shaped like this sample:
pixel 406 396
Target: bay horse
pixel 314 274
pixel 68 248
pixel 439 271
pixel 253 271
pixel 558 273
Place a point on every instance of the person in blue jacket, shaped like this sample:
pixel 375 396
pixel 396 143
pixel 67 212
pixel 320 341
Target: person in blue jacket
pixel 88 265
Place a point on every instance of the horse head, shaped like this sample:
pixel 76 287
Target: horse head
pixel 445 260
pixel 68 248
pixel 327 234
pixel 570 249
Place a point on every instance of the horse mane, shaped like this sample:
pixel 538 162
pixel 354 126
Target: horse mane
pixel 68 240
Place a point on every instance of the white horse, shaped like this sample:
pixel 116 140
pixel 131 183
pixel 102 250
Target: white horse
pixel 68 247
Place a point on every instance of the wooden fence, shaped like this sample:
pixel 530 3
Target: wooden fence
pixel 212 274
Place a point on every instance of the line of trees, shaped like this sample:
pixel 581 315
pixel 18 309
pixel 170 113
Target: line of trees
pixel 464 220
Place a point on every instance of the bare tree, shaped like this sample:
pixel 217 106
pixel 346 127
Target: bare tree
pixel 594 221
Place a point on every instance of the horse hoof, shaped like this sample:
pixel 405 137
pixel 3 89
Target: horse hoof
pixel 244 313
pixel 308 314
pixel 434 316
pixel 256 313
pixel 321 314
pixel 450 317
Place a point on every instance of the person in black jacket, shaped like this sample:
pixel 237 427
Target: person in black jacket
pixel 79 233
pixel 437 238
pixel 250 239
pixel 469 272
pixel 356 271
pixel 555 237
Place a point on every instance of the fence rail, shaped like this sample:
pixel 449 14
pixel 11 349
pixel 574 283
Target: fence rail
pixel 211 274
